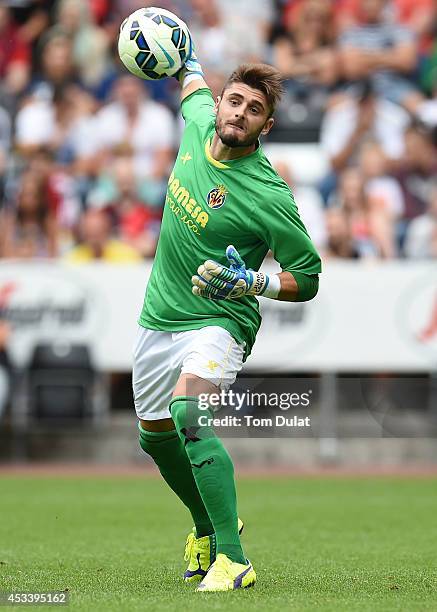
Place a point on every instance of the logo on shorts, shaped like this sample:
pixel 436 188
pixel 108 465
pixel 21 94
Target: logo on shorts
pixel 217 196
pixel 212 365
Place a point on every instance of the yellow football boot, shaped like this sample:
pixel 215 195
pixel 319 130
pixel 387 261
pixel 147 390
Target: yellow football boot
pixel 225 575
pixel 200 554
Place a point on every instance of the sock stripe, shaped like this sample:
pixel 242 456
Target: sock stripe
pixel 156 436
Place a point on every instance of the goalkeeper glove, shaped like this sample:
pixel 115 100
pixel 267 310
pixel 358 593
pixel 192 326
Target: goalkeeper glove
pixel 218 282
pixel 191 70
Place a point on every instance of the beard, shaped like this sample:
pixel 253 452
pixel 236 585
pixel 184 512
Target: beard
pixel 234 140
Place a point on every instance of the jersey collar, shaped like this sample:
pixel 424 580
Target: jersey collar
pixel 210 158
pixel 232 162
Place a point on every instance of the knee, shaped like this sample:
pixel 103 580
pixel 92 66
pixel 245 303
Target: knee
pixel 154 443
pixel 178 411
pixel 186 415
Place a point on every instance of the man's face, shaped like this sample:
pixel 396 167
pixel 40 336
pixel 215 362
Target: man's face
pixel 242 116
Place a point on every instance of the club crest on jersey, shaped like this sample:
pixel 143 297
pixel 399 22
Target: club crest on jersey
pixel 217 196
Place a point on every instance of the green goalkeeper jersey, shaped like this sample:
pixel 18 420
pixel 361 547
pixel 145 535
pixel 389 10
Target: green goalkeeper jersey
pixel 209 205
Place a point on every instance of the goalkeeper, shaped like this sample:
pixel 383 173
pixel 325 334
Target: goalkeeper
pixel 225 209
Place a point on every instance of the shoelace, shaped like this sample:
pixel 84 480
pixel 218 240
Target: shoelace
pixel 189 546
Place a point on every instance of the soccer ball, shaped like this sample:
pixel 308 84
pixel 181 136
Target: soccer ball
pixel 153 43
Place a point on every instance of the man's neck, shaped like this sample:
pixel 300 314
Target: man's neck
pixel 220 152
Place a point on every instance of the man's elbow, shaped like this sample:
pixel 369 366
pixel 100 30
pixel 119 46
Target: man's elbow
pixel 308 286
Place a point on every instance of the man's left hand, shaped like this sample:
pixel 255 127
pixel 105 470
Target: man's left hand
pixel 218 282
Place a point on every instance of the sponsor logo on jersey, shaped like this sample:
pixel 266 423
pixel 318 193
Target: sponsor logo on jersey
pixel 184 206
pixel 217 196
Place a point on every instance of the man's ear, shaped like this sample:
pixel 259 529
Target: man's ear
pixel 267 126
pixel 217 103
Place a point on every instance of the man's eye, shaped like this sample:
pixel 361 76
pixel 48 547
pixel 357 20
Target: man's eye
pixel 254 110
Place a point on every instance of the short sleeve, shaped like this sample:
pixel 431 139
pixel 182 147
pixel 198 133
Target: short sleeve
pixel 198 107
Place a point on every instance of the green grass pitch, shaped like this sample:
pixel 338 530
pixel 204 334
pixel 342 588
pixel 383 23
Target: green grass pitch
pixel 116 543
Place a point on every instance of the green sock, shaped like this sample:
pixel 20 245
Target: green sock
pixel 214 474
pixel 167 451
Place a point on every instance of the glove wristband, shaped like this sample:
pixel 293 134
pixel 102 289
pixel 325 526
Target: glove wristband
pixel 265 285
pixel 187 77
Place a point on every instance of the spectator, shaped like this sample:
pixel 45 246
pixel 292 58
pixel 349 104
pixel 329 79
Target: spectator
pixel 14 55
pixel 74 111
pixel 209 32
pixel 56 66
pixel 370 224
pixel 28 229
pixel 350 227
pixel 220 31
pixel 340 243
pixel 60 193
pixel 350 122
pixel 385 198
pixel 75 18
pixel 416 170
pixel 379 186
pixel 421 238
pixel 97 244
pixel 383 52
pixel 33 17
pixel 62 123
pixel 261 13
pixel 304 51
pixel 36 118
pixel 122 195
pixel 417 16
pixel 135 124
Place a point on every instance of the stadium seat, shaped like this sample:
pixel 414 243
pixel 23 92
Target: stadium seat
pixel 61 385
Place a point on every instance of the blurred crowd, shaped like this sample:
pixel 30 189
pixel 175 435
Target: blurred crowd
pixel 86 149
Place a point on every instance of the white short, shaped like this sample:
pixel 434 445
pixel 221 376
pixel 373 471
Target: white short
pixel 160 357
